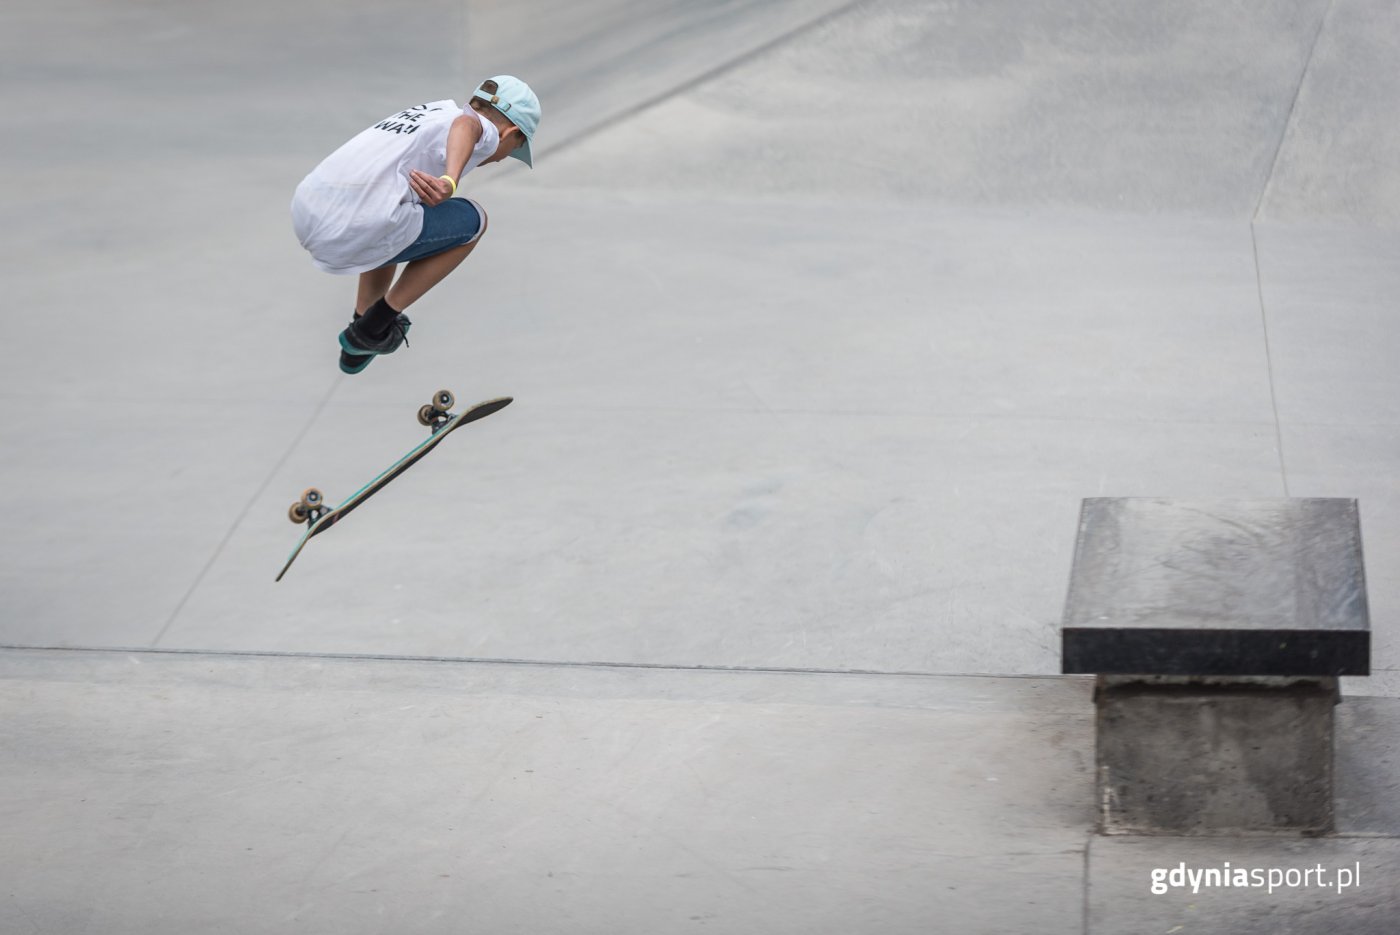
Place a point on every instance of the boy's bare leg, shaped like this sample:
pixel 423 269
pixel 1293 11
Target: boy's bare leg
pixel 421 275
pixel 373 286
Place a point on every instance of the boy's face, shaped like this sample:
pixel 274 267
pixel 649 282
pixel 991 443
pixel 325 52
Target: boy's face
pixel 511 140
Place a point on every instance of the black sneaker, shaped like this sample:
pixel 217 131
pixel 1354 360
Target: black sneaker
pixel 357 349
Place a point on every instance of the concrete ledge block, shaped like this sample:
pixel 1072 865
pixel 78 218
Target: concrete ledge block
pixel 1217 587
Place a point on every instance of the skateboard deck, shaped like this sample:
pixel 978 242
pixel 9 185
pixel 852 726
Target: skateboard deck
pixel 319 519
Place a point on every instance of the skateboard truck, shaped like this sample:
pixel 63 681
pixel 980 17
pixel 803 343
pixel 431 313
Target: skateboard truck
pixel 435 414
pixel 311 507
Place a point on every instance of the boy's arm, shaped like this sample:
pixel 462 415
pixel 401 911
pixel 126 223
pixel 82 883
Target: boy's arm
pixel 462 138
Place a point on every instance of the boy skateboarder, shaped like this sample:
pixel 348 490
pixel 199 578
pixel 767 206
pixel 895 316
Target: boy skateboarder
pixel 385 198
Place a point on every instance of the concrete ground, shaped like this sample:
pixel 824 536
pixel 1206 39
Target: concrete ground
pixel 821 319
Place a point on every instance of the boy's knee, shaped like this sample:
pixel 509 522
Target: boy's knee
pixel 484 220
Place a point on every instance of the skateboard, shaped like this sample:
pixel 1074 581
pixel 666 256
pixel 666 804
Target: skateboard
pixel 311 509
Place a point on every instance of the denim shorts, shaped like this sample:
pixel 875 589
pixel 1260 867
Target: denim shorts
pixel 454 223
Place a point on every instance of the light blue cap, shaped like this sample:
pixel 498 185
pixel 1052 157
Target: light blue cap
pixel 514 98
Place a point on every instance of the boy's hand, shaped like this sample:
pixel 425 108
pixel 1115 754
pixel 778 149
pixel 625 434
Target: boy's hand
pixel 431 191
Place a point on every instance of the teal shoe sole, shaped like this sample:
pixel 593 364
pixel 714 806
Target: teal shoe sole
pixel 352 350
pixel 354 363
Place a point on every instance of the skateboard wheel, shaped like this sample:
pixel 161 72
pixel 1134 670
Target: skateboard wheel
pixel 443 400
pixel 297 513
pixel 425 414
pixel 311 498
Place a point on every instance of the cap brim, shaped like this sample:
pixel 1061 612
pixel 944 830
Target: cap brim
pixel 523 154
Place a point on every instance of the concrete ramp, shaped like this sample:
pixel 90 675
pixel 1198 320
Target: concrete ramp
pixel 1215 109
pixel 832 313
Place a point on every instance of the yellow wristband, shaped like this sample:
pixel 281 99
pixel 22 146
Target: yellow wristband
pixel 451 181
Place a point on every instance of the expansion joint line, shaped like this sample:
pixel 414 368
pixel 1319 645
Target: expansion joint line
pixel 1269 360
pixel 1254 234
pixel 242 515
pixel 1292 110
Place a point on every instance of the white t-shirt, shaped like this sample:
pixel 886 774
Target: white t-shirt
pixel 355 211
